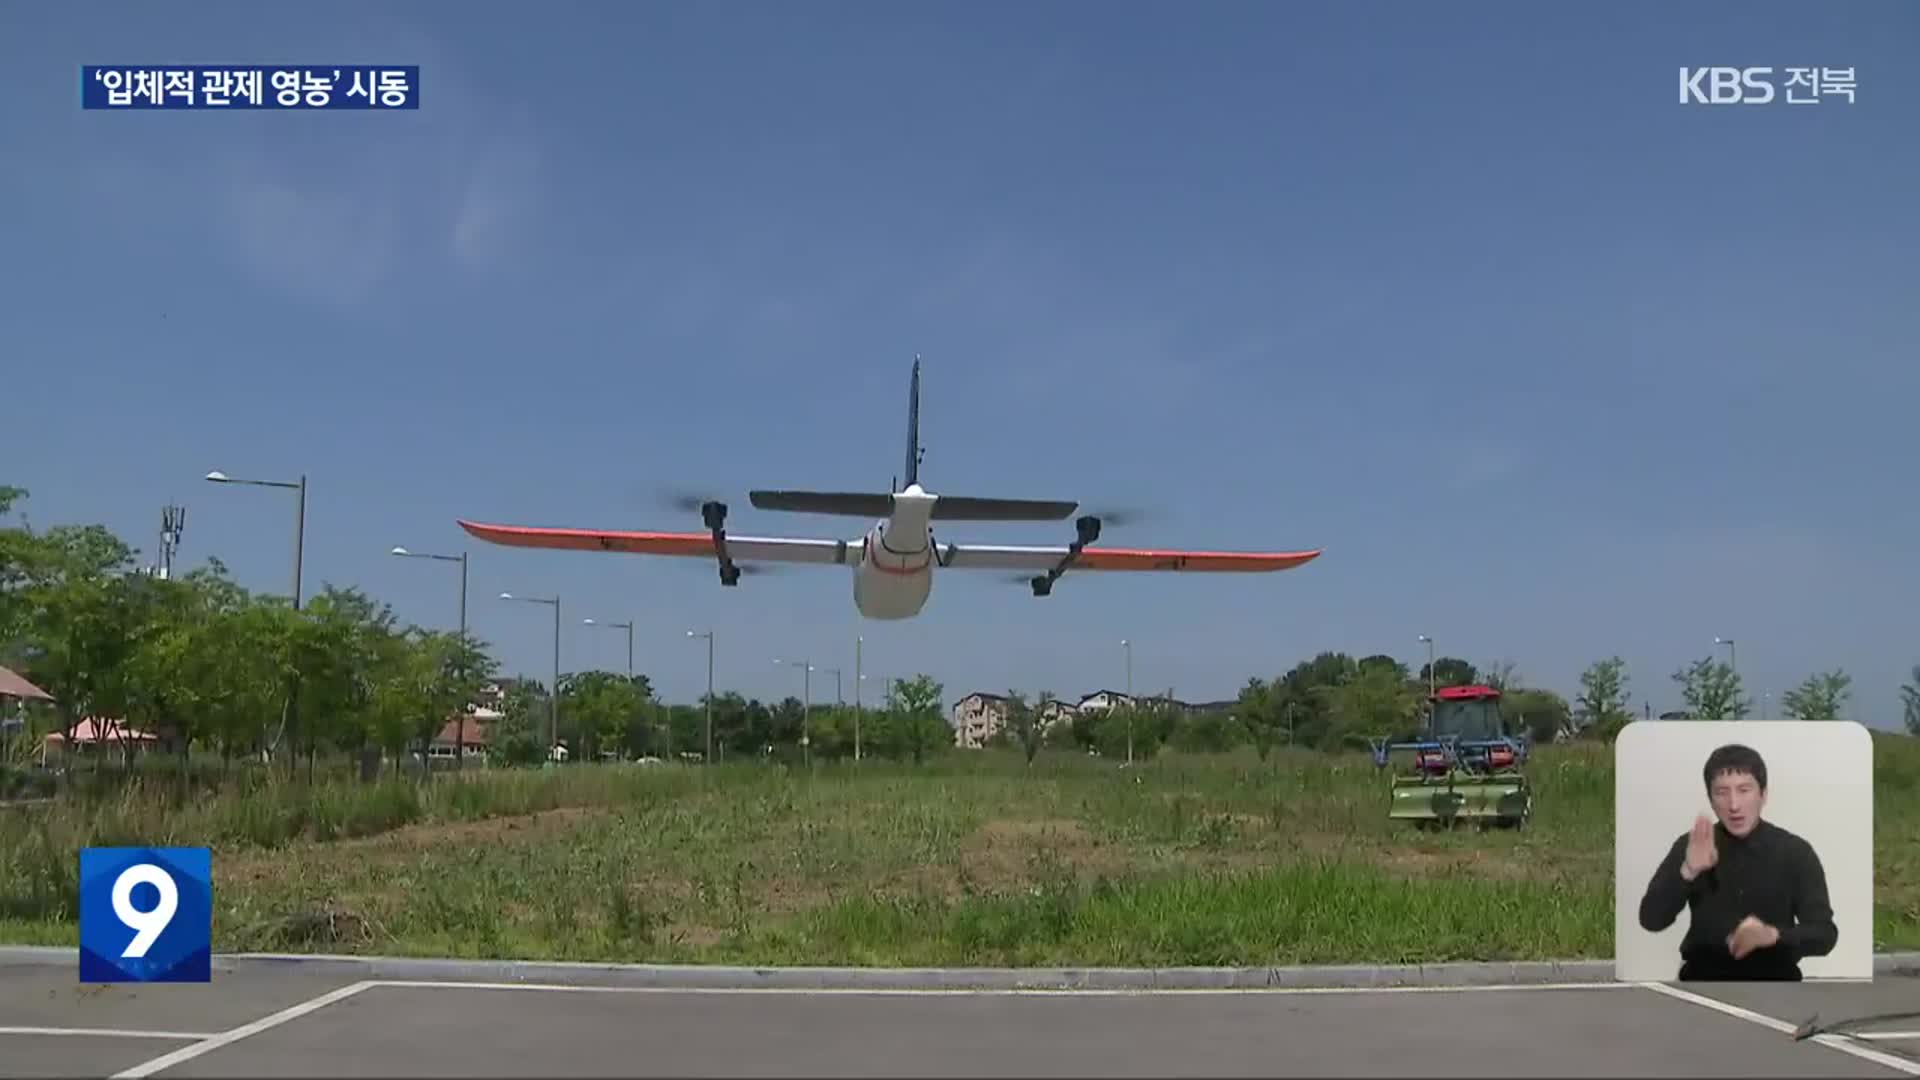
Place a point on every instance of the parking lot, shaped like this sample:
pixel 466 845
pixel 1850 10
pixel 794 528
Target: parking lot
pixel 299 1019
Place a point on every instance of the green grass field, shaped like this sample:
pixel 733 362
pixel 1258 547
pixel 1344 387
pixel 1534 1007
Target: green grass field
pixel 975 859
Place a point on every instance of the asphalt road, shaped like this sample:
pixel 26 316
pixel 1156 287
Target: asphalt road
pixel 300 1022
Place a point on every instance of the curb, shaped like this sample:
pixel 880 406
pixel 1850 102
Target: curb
pixel 707 977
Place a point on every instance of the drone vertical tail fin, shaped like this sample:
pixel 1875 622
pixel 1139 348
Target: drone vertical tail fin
pixel 913 427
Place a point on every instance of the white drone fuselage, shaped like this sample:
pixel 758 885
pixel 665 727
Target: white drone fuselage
pixel 893 575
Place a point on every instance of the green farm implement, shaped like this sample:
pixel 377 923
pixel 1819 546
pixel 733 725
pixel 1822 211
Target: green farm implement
pixel 1465 766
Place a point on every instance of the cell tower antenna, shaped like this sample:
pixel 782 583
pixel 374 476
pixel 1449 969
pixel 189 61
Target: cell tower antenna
pixel 173 521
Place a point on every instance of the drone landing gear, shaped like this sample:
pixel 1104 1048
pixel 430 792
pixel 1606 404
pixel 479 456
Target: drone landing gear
pixel 1087 530
pixel 715 516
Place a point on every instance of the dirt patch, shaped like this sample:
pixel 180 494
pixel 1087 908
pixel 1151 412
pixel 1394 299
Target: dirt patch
pixel 517 828
pixel 1492 866
pixel 784 896
pixel 253 866
pixel 1006 854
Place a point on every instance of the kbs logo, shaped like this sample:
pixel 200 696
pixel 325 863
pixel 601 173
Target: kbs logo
pixel 146 915
pixel 1755 85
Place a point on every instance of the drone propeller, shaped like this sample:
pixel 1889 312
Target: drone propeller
pixel 683 500
pixel 1122 516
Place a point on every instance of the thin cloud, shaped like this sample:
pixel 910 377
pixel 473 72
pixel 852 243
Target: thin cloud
pixel 497 200
pixel 316 242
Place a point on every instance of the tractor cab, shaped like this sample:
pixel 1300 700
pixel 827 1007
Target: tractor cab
pixel 1465 712
pixel 1469 718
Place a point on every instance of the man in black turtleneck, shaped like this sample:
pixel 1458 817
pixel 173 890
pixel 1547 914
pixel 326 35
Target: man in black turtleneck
pixel 1756 893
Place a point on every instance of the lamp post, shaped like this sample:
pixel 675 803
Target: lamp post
pixel 1733 663
pixel 1430 672
pixel 858 675
pixel 709 636
pixel 806 709
pixel 628 627
pixel 299 521
pixel 460 725
pixel 299 556
pixel 553 702
pixel 1128 646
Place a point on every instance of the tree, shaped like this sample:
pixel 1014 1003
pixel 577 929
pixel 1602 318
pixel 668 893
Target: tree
pixel 787 722
pixel 1023 721
pixel 1502 675
pixel 521 733
pixel 1543 713
pixel 1304 696
pixel 1451 671
pixel 600 706
pixel 1382 662
pixel 1259 713
pixel 78 616
pixel 918 726
pixel 1601 707
pixel 1711 689
pixel 1378 701
pixel 1209 733
pixel 172 682
pixel 1820 697
pixel 340 642
pixel 1910 699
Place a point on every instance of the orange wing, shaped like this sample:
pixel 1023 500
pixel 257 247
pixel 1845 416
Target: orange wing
pixel 692 545
pixel 1009 557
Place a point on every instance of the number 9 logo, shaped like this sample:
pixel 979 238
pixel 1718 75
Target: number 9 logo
pixel 149 924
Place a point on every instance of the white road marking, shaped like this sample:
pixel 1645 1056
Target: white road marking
pixel 1890 1036
pixel 1837 1042
pixel 107 1033
pixel 449 984
pixel 228 1038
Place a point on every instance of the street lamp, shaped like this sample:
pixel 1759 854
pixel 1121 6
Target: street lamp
pixel 1732 661
pixel 462 560
pixel 1128 646
pixel 858 676
pixel 299 521
pixel 628 627
pixel 1430 672
pixel 460 727
pixel 553 702
pixel 299 555
pixel 709 636
pixel 806 710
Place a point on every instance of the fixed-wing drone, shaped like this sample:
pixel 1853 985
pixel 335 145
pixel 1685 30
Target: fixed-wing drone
pixel 893 563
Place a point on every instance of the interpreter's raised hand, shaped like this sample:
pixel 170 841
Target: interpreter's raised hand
pixel 1701 853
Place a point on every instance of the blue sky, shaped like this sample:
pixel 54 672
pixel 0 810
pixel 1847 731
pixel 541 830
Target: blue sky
pixel 1551 366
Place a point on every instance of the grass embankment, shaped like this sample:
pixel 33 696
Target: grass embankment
pixel 976 860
